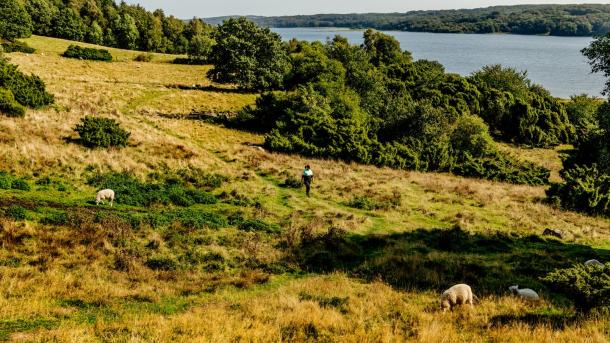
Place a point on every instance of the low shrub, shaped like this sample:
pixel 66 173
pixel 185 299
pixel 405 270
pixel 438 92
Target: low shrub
pixel 9 106
pixel 16 212
pixel 188 61
pixel 364 203
pixel 144 58
pixel 585 189
pixel 502 168
pixel 200 179
pixel 6 180
pixel 96 132
pixel 60 218
pixel 256 225
pixel 17 46
pixel 291 182
pixel 587 286
pixel 20 184
pixel 75 51
pixel 199 219
pixel 27 90
pixel 162 263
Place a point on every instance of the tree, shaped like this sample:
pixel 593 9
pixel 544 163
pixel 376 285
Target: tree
pixel 15 22
pixel 250 56
pixel 126 32
pixel 200 47
pixel 42 13
pixel 598 53
pixel 69 25
pixel 95 34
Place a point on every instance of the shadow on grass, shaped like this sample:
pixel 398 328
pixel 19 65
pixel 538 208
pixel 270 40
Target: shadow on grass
pixel 436 259
pixel 556 321
pixel 210 88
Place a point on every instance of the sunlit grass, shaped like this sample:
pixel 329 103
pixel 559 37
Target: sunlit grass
pixel 62 284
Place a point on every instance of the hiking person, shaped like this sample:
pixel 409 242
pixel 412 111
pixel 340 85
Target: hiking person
pixel 307 178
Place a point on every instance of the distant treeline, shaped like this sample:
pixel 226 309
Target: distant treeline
pixel 555 20
pixel 106 23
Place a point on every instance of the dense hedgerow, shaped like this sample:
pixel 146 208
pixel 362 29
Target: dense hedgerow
pixel 28 90
pixel 587 286
pixel 75 51
pixel 98 132
pixel 17 46
pixel 131 191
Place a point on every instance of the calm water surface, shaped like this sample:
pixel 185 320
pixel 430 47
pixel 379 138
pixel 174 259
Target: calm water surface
pixel 554 62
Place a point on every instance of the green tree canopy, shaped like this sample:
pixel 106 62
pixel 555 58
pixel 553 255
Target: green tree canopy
pixel 248 55
pixel 598 53
pixel 15 22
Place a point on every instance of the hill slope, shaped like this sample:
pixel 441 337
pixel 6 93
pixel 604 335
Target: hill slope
pixel 264 262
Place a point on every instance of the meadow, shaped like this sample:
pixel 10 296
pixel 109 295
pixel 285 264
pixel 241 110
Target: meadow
pixel 364 259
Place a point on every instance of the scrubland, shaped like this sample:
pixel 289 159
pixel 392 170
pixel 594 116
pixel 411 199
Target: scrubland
pixel 264 263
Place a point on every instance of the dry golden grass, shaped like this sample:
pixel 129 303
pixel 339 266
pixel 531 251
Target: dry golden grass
pixel 143 306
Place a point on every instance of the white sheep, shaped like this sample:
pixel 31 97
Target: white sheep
pixel 457 295
pixel 105 194
pixel 524 293
pixel 594 263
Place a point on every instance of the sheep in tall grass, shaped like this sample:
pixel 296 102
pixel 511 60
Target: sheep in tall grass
pixel 105 194
pixel 457 295
pixel 524 293
pixel 594 263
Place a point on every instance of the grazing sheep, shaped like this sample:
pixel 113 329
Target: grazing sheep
pixel 525 293
pixel 105 194
pixel 594 263
pixel 457 295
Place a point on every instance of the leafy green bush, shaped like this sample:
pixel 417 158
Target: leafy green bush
pixel 6 180
pixel 8 105
pixel 16 212
pixel 257 225
pixel 98 132
pixel 59 218
pixel 587 286
pixel 364 203
pixel 291 182
pixel 28 90
pixel 144 58
pixel 585 189
pixel 17 46
pixel 20 184
pixel 75 51
pixel 518 111
pixel 195 219
pixel 162 263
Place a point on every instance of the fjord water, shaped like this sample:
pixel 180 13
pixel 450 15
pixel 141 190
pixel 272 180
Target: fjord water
pixel 554 62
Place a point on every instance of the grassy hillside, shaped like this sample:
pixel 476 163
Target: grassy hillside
pixel 265 263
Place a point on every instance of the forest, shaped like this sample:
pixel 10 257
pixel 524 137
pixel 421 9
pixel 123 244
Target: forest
pixel 554 20
pixel 104 22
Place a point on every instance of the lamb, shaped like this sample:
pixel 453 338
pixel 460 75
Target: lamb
pixel 524 293
pixel 457 295
pixel 594 263
pixel 105 194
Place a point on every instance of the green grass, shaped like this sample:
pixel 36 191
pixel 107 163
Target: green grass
pixel 48 45
pixel 181 273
